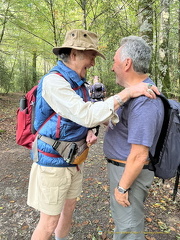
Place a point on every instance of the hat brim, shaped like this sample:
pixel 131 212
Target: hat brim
pixel 56 50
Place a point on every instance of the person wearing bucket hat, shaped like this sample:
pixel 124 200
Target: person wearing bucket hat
pixel 80 40
pixel 56 178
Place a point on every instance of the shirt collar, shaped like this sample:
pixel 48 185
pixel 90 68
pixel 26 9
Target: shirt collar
pixel 69 74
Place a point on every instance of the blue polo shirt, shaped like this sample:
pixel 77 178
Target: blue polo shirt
pixel 140 122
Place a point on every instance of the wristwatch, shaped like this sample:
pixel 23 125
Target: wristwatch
pixel 122 190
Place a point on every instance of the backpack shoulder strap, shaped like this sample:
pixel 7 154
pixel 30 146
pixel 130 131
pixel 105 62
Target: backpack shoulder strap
pixel 176 186
pixel 58 73
pixel 163 129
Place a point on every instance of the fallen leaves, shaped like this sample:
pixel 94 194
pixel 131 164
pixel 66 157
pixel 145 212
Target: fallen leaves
pixel 24 226
pixel 92 217
pixel 148 219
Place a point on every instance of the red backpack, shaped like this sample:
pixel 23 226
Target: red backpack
pixel 25 132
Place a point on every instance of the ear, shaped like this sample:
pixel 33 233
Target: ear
pixel 73 54
pixel 128 64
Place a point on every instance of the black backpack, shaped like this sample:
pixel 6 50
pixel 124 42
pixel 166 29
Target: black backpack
pixel 166 161
pixel 97 91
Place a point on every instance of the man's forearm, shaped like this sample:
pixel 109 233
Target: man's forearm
pixel 131 172
pixel 135 162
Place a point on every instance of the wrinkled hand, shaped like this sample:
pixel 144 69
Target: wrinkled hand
pixel 121 198
pixel 143 89
pixel 91 138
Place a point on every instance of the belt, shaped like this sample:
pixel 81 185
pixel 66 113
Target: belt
pixel 122 163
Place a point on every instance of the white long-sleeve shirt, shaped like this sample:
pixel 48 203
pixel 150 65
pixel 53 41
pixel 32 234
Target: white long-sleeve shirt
pixel 63 100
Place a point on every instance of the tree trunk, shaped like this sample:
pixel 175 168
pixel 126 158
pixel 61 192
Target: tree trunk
pixel 4 22
pixel 146 22
pixel 84 3
pixel 53 20
pixel 34 72
pixel 83 6
pixel 163 47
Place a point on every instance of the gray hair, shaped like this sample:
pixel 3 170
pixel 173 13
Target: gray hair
pixel 64 54
pixel 138 50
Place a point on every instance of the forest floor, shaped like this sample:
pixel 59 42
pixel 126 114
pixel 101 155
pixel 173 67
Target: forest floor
pixel 92 218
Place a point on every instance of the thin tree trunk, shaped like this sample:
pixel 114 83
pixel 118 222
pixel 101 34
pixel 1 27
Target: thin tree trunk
pixel 163 47
pixel 83 5
pixel 146 22
pixel 34 72
pixel 4 22
pixel 53 21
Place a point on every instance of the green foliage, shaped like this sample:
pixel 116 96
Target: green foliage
pixel 5 77
pixel 34 27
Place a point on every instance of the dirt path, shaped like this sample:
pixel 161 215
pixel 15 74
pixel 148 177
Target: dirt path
pixel 92 218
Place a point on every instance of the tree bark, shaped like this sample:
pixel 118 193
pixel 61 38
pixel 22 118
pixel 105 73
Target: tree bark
pixel 164 46
pixel 4 22
pixel 146 22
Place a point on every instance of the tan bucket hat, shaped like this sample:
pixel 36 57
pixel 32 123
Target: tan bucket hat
pixel 81 40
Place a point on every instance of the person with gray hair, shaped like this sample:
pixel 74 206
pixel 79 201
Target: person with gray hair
pixel 127 144
pixel 138 50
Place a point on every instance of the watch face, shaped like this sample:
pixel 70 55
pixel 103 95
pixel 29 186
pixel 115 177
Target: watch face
pixel 121 190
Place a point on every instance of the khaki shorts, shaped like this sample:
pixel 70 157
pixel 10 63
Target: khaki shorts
pixel 49 187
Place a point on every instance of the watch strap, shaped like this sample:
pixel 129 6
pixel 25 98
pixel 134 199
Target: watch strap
pixel 122 190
